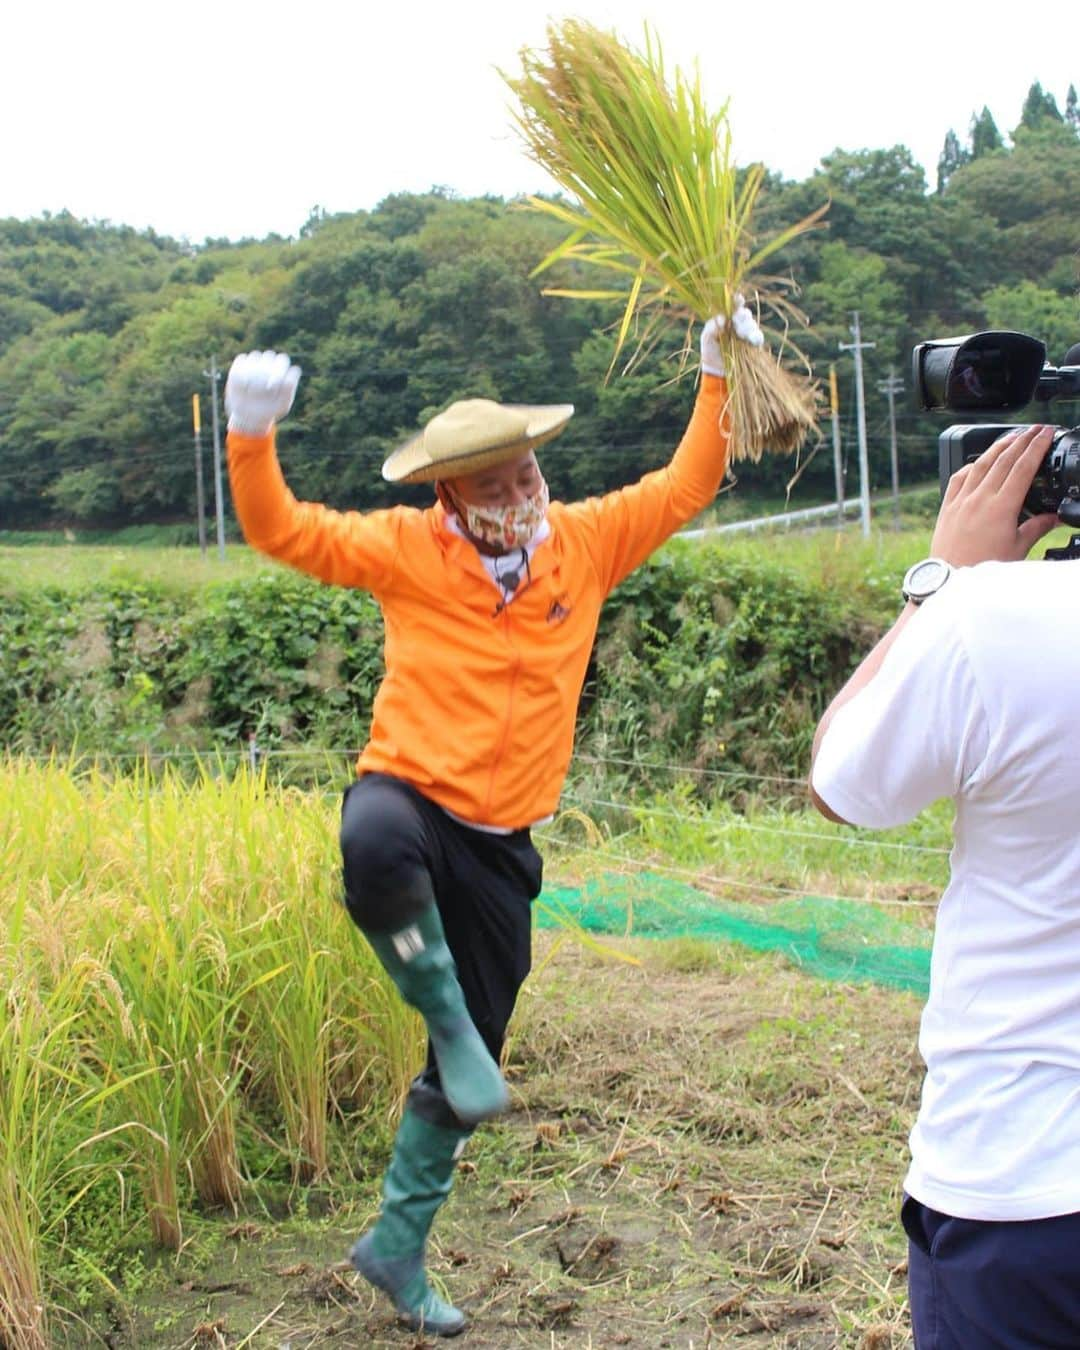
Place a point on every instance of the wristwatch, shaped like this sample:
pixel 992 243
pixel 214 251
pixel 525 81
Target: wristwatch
pixel 925 579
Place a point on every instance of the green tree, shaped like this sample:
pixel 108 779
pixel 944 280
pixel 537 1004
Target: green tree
pixel 952 156
pixel 1027 308
pixel 984 135
pixel 1029 196
pixel 855 279
pixel 53 392
pixel 625 425
pixel 858 280
pixel 105 332
pixel 935 250
pixel 867 189
pixel 87 495
pixel 1039 106
pixel 1072 110
pixel 161 362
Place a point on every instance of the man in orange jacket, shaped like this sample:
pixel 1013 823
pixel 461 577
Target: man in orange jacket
pixel 490 600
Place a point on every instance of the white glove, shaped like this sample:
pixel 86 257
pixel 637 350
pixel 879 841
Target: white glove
pixel 744 326
pixel 259 391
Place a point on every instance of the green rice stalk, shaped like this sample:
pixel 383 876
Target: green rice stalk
pixel 177 978
pixel 49 1104
pixel 24 1164
pixel 299 1015
pixel 390 1044
pixel 656 199
pixel 379 1042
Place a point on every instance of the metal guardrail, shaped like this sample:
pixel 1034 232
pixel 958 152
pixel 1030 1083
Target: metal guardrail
pixel 850 504
pixel 766 522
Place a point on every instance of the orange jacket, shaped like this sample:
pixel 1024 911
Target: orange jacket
pixel 477 706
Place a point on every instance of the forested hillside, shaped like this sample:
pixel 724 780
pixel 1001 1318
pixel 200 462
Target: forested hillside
pixel 105 333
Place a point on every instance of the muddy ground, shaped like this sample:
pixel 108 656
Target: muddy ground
pixel 705 1149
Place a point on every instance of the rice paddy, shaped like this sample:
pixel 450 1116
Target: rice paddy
pixel 194 1039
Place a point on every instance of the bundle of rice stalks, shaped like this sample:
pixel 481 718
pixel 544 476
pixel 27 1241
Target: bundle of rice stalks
pixel 657 199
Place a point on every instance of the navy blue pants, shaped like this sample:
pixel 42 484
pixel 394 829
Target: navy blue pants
pixel 992 1286
pixel 401 853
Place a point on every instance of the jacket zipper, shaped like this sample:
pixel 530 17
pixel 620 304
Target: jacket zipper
pixel 500 753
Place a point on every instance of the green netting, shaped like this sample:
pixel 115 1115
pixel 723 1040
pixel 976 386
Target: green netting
pixel 836 939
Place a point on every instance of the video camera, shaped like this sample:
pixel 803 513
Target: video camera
pixel 1002 372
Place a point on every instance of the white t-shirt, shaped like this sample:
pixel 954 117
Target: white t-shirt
pixel 979 700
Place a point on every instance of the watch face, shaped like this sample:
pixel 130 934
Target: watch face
pixel 926 577
pixel 929 575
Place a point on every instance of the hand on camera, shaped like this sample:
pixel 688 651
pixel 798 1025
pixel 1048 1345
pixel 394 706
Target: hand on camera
pixel 978 517
pixel 259 391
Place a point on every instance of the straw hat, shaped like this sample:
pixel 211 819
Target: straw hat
pixel 473 434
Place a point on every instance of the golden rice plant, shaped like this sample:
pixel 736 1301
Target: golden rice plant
pixel 27 1079
pixel 50 1111
pixel 179 978
pixel 300 1017
pixel 385 1050
pixel 657 199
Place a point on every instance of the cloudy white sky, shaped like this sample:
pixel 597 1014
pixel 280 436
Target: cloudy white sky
pixel 216 118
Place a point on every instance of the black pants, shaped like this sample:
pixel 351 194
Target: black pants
pixel 401 852
pixel 976 1285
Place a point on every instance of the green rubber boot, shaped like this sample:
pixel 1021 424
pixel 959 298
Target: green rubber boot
pixel 419 962
pixel 390 1255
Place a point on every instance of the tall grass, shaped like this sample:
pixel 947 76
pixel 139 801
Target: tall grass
pixel 176 964
pixel 51 1106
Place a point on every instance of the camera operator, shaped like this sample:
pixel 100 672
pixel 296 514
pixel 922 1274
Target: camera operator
pixel 974 694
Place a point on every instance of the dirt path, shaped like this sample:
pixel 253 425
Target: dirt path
pixel 704 1150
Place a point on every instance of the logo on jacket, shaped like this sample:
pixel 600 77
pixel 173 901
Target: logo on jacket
pixel 560 608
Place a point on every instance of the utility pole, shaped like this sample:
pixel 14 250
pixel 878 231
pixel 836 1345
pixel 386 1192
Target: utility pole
pixel 892 386
pixel 213 375
pixel 838 464
pixel 200 500
pixel 858 347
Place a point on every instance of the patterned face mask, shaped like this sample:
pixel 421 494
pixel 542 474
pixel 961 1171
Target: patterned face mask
pixel 507 527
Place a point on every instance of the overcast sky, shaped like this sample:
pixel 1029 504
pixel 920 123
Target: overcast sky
pixel 214 118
